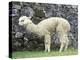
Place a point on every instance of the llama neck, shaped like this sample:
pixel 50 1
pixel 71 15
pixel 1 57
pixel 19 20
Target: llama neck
pixel 32 27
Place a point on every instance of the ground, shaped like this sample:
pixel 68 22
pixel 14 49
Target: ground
pixel 30 54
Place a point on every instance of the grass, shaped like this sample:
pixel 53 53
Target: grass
pixel 30 54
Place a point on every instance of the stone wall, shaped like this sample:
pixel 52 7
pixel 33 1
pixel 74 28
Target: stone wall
pixel 24 40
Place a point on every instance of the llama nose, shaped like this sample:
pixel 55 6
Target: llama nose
pixel 20 23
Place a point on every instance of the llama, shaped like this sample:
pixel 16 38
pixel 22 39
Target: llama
pixel 46 28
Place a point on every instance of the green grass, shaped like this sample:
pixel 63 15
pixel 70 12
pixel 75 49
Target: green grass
pixel 28 54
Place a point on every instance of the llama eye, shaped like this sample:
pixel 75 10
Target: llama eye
pixel 22 20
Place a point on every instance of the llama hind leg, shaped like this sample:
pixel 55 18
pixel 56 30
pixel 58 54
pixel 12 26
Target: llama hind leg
pixel 47 42
pixel 66 46
pixel 67 43
pixel 64 42
pixel 61 47
pixel 47 47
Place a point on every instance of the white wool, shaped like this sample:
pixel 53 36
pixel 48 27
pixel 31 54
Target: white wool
pixel 47 27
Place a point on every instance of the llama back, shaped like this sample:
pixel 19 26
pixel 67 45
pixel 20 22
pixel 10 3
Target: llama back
pixel 52 22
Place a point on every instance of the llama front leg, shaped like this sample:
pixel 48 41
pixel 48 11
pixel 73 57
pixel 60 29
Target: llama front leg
pixel 47 41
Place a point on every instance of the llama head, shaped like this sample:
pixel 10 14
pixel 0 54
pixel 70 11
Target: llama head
pixel 24 20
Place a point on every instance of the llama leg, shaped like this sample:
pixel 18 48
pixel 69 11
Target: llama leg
pixel 62 40
pixel 67 43
pixel 45 47
pixel 49 47
pixel 66 46
pixel 61 47
pixel 47 43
